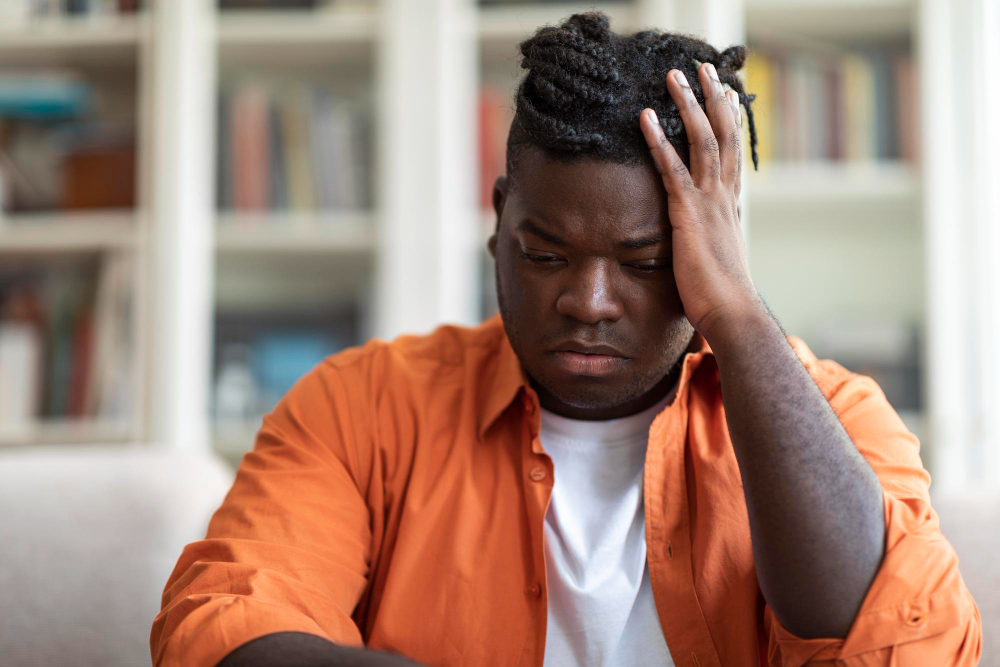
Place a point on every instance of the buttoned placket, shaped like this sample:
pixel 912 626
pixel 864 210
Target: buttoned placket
pixel 538 482
pixel 668 532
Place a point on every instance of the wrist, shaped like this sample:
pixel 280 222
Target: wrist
pixel 738 326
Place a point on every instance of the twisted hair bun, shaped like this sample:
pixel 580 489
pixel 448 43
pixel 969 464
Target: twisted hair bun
pixel 585 86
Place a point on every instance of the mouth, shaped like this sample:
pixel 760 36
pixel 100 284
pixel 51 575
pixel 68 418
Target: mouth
pixel 578 358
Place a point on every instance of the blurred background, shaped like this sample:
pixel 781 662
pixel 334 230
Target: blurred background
pixel 199 200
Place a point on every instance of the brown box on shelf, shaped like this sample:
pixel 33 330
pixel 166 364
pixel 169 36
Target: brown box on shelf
pixel 100 177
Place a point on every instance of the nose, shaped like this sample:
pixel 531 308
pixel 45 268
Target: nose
pixel 589 295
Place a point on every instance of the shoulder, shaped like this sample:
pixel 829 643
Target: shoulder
pixel 831 377
pixel 448 353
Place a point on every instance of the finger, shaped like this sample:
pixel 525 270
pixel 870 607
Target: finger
pixel 734 101
pixel 704 146
pixel 673 171
pixel 720 114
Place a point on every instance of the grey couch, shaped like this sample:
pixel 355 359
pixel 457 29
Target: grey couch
pixel 89 535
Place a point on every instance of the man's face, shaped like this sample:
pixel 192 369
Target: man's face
pixel 586 286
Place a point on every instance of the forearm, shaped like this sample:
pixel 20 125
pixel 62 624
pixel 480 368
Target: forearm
pixel 814 504
pixel 305 650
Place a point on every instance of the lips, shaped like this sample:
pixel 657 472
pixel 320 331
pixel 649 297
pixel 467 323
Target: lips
pixel 578 358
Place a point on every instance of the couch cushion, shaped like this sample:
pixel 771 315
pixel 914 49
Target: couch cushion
pixel 90 535
pixel 971 522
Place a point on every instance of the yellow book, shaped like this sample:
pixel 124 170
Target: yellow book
pixel 759 78
pixel 859 108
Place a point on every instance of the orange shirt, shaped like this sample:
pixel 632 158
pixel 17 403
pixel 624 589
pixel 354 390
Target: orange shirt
pixel 395 498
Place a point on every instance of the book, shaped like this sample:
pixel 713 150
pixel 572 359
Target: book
pixel 250 149
pixel 45 95
pixel 110 387
pixel 760 81
pixel 494 125
pixel 20 374
pixel 297 161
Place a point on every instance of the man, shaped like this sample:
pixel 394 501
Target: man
pixel 633 467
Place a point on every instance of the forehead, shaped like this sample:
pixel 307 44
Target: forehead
pixel 593 194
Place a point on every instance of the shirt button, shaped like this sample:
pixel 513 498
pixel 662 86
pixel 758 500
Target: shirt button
pixel 537 474
pixel 534 590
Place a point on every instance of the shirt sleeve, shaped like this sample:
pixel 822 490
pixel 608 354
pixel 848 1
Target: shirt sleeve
pixel 290 547
pixel 917 610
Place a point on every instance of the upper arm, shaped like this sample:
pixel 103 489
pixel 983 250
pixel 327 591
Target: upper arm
pixel 290 547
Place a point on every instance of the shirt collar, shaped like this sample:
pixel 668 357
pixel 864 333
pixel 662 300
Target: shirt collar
pixel 508 378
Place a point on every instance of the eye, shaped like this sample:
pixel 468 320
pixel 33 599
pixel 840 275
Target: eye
pixel 544 260
pixel 647 268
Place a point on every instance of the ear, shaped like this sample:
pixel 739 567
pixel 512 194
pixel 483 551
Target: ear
pixel 500 190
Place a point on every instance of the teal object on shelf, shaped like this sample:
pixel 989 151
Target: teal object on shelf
pixel 281 358
pixel 44 98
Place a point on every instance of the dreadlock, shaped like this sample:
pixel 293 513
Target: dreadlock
pixel 586 85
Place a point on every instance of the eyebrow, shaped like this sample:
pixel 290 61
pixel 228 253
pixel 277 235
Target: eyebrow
pixel 643 242
pixel 530 227
pixel 527 225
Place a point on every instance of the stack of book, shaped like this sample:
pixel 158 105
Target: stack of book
pixel 65 344
pixel 858 106
pixel 292 147
pixel 55 153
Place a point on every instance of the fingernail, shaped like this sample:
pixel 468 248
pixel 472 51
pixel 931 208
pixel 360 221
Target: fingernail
pixel 681 79
pixel 734 101
pixel 652 118
pixel 712 74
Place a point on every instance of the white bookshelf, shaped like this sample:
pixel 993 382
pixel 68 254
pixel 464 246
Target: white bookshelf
pixel 818 20
pixel 297 233
pixel 72 41
pixel 422 64
pixel 66 431
pixel 68 232
pixel 297 38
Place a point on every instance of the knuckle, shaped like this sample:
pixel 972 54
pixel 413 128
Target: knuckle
pixel 709 144
pixel 678 169
pixel 735 140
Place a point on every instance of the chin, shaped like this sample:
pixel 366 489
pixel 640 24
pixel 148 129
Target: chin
pixel 589 393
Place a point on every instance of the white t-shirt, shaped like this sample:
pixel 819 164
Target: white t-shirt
pixel 601 610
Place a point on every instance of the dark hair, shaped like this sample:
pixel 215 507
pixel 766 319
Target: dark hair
pixel 586 85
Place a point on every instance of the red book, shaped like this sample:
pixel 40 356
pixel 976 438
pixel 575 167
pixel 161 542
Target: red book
pixel 79 380
pixel 835 127
pixel 493 127
pixel 251 150
pixel 906 107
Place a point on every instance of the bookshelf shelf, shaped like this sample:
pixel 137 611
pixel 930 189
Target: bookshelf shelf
pixel 296 233
pixel 849 20
pixel 71 41
pixel 500 28
pixel 286 37
pixel 833 182
pixel 63 431
pixel 67 232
